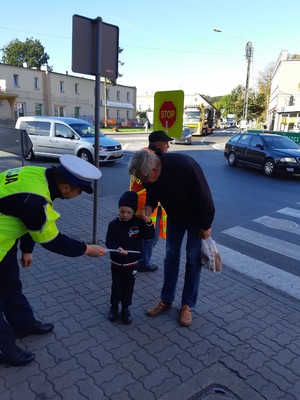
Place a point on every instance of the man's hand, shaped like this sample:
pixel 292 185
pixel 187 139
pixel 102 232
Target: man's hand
pixel 205 234
pixel 93 250
pixel 26 260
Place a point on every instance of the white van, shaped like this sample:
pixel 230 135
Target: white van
pixel 54 136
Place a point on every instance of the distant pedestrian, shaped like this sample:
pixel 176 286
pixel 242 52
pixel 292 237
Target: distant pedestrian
pixel 146 126
pixel 124 235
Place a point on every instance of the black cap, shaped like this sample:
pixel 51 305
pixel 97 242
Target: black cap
pixel 159 136
pixel 129 199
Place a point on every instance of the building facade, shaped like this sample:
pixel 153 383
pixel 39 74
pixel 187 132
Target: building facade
pixel 26 91
pixel 284 103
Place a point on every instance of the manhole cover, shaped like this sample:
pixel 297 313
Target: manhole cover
pixel 215 392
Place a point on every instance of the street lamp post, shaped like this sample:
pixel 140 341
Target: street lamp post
pixel 249 58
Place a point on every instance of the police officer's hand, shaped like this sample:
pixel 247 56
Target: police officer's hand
pixel 93 250
pixel 26 260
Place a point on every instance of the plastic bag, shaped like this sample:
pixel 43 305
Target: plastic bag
pixel 210 256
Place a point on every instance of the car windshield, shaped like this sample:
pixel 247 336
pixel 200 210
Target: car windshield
pixel 282 142
pixel 85 130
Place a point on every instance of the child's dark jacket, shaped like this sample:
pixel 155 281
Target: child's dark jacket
pixel 128 235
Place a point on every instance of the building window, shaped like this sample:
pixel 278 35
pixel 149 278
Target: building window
pixel 58 111
pixel 118 113
pixel 19 110
pixel 107 93
pixel 127 114
pixel 118 95
pixel 36 83
pixel 77 88
pixel 77 112
pixel 16 80
pixel 128 96
pixel 61 86
pixel 38 109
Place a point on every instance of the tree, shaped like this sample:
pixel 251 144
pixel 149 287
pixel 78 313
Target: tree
pixel 31 52
pixel 264 82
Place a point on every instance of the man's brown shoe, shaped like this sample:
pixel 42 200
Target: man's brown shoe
pixel 185 316
pixel 160 308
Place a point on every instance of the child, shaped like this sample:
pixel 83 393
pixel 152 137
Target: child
pixel 125 233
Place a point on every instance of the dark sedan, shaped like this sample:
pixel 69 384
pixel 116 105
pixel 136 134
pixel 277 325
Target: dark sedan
pixel 269 152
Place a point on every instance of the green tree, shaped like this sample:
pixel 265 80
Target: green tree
pixel 264 82
pixel 31 52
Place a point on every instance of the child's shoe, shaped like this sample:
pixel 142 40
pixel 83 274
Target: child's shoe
pixel 126 316
pixel 113 314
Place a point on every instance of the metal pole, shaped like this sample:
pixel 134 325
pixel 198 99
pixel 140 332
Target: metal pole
pixel 98 32
pixel 249 53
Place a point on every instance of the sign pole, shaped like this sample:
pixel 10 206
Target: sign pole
pixel 98 32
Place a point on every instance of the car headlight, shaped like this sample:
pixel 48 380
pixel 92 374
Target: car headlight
pixel 102 148
pixel 288 160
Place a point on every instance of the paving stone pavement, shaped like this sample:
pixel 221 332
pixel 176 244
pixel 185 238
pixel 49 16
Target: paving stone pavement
pixel 243 343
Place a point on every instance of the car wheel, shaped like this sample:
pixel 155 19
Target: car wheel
pixel 269 167
pixel 232 159
pixel 85 155
pixel 30 156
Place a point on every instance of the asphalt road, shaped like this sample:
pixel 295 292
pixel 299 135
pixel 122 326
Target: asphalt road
pixel 257 222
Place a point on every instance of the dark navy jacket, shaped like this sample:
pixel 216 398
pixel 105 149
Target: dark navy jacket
pixel 129 236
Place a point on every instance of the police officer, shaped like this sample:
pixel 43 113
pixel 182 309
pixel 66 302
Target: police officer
pixel 27 215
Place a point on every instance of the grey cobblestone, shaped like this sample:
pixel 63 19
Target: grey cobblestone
pixel 243 336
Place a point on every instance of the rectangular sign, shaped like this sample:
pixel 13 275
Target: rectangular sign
pixel 95 47
pixel 168 112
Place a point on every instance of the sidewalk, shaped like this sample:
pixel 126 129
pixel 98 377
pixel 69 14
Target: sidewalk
pixel 243 344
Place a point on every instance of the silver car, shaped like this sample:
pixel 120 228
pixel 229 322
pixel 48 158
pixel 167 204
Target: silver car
pixel 186 137
pixel 54 136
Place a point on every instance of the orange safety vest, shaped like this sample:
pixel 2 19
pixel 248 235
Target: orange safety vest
pixel 137 186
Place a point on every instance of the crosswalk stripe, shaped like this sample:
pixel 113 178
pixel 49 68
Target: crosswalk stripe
pixel 267 242
pixel 279 223
pixel 261 271
pixel 292 212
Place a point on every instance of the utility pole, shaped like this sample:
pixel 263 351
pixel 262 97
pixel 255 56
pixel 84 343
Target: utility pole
pixel 249 56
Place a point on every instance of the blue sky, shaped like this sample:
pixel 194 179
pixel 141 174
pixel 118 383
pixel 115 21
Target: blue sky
pixel 168 44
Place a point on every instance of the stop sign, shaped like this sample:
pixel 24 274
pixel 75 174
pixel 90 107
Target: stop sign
pixel 167 114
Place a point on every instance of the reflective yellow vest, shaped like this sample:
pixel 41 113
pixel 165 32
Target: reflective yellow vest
pixel 137 186
pixel 25 180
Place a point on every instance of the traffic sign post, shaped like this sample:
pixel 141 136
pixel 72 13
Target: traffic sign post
pixel 168 112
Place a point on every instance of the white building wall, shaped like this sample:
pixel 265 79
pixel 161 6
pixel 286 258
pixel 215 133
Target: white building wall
pixel 284 88
pixel 57 91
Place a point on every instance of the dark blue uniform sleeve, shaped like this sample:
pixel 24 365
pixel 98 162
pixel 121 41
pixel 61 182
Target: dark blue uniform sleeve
pixel 26 243
pixel 66 246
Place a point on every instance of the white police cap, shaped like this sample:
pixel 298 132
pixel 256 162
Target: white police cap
pixel 80 172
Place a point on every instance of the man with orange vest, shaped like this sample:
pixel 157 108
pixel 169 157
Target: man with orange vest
pixel 158 142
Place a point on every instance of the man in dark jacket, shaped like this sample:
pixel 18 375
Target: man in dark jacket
pixel 27 213
pixel 178 182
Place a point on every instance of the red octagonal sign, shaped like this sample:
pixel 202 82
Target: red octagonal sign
pixel 167 114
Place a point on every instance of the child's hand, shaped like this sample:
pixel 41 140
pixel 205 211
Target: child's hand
pixel 122 251
pixel 146 219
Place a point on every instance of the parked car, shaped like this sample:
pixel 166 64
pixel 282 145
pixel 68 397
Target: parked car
pixel 269 152
pixel 54 136
pixel 186 137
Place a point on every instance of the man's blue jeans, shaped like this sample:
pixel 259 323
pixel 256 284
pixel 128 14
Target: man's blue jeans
pixel 148 245
pixel 175 234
